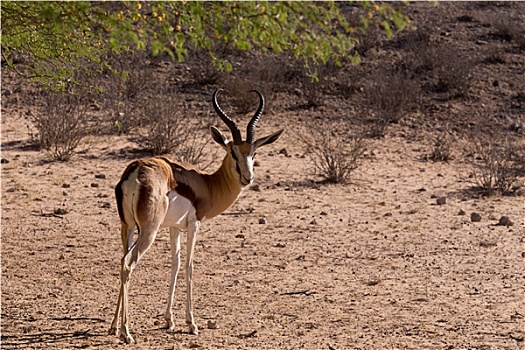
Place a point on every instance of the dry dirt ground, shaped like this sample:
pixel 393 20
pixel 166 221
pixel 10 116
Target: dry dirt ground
pixel 375 264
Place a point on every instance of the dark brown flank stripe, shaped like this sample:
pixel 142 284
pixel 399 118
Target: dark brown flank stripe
pixel 182 188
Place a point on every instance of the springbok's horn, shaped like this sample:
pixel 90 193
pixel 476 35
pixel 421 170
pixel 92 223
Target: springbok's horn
pixel 250 129
pixel 236 133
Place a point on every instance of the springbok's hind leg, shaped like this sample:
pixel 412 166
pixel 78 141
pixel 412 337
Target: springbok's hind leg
pixel 126 235
pixel 144 241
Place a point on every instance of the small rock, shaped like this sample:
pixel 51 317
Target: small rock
pixel 324 213
pixel 313 222
pixel 283 151
pixel 240 235
pixel 441 201
pixel 256 188
pixel 516 127
pixel 475 217
pixel 505 221
pixel 105 205
pixel 262 221
pixel 4 161
pixel 65 193
pixel 462 212
pixel 94 184
pixel 212 324
pixel 256 163
pixel 66 185
pixel 60 211
pixel 100 176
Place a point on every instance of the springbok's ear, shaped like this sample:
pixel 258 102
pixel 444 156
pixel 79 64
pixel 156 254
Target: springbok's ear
pixel 218 136
pixel 266 140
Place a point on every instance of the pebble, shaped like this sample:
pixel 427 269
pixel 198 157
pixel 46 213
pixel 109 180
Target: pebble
pixel 505 221
pixel 475 217
pixel 441 201
pixel 262 221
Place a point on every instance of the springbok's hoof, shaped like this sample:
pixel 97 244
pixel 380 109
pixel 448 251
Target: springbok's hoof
pixel 170 326
pixel 127 338
pixel 193 329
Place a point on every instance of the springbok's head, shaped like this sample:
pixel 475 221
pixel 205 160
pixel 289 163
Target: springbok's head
pixel 240 153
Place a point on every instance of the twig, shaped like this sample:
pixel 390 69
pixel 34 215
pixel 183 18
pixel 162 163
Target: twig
pixel 48 215
pixel 301 292
pixel 248 335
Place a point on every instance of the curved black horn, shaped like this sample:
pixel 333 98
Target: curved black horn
pixel 250 129
pixel 236 133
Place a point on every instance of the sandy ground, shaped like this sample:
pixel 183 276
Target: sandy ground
pixel 375 264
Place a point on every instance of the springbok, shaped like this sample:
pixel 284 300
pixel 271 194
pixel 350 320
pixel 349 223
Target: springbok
pixel 157 192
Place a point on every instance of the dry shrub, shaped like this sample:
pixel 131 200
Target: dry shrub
pixel 316 80
pixel 504 27
pixel 237 95
pixel 450 69
pixel 442 148
pixel 497 163
pixel 203 70
pixel 334 152
pixel 389 96
pixel 168 129
pixel 62 125
pixel 125 93
pixel 454 72
pixel 266 73
pixel 350 82
pixel 165 128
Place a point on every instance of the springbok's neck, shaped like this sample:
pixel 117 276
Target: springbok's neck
pixel 224 189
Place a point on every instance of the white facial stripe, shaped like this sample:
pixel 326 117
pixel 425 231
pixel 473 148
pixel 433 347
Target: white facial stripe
pixel 244 165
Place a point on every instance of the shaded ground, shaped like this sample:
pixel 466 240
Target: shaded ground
pixel 375 264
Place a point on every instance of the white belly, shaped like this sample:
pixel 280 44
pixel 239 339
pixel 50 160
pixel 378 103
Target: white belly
pixel 179 211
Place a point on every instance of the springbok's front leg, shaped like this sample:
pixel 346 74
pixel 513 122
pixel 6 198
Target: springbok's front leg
pixel 193 228
pixel 175 265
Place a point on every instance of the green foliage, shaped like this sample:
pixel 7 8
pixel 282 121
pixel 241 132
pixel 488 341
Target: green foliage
pixel 59 37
